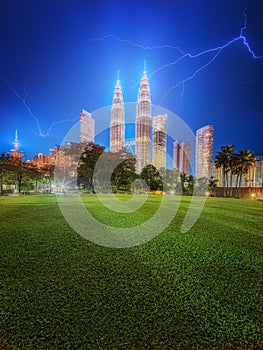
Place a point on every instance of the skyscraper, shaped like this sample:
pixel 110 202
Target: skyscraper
pixel 143 125
pixel 117 120
pixel 87 127
pixel 204 144
pixel 182 156
pixel 159 141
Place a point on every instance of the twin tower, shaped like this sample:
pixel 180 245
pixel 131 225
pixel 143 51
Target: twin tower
pixel 144 124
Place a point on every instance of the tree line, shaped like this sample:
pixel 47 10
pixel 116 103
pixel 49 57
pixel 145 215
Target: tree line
pixel 235 167
pixel 95 165
pixel 117 172
pixel 26 177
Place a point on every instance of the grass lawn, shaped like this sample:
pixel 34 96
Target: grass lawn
pixel 197 290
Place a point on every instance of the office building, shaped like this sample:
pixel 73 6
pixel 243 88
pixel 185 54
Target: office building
pixel 143 125
pixel 204 145
pixel 182 156
pixel 117 120
pixel 87 127
pixel 159 141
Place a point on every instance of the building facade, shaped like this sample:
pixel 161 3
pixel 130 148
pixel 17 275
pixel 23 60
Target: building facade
pixel 159 141
pixel 182 156
pixel 44 160
pixel 117 120
pixel 87 127
pixel 204 145
pixel 258 172
pixel 143 125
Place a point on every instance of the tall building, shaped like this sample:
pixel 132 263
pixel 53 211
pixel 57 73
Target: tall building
pixel 204 144
pixel 87 127
pixel 15 153
pixel 159 141
pixel 143 125
pixel 117 120
pixel 182 156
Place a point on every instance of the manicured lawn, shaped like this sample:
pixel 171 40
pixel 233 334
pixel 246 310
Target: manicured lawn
pixel 197 290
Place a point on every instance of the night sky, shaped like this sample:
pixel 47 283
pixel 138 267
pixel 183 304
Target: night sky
pixel 58 57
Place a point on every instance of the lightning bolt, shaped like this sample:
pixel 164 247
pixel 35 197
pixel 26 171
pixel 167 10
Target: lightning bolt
pixel 215 52
pixel 25 104
pixel 111 36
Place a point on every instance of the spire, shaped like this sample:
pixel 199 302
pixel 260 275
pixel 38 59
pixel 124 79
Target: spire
pixel 16 142
pixel 117 96
pixel 144 90
pixel 144 69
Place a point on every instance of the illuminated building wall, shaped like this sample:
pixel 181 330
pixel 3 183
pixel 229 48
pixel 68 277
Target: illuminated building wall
pixel 159 141
pixel 259 171
pixel 254 175
pixel 117 120
pixel 182 156
pixel 87 126
pixel 41 160
pixel 143 125
pixel 204 144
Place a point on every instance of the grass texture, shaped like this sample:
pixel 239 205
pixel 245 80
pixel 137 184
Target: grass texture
pixel 196 290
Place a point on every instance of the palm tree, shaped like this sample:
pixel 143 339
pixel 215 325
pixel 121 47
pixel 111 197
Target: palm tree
pixel 224 160
pixel 246 161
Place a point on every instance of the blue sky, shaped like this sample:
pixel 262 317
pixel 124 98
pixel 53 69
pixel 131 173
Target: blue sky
pixel 58 57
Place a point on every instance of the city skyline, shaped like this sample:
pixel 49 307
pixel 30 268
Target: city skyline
pixel 149 134
pixel 49 73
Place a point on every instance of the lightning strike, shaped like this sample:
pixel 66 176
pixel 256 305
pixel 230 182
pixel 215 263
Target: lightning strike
pixel 216 51
pixel 111 36
pixel 25 104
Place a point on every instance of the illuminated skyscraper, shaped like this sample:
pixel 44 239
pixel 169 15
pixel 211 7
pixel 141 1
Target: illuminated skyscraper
pixel 15 153
pixel 143 125
pixel 181 156
pixel 159 141
pixel 204 144
pixel 117 120
pixel 87 127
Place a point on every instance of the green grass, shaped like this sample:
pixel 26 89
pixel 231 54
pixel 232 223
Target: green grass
pixel 198 290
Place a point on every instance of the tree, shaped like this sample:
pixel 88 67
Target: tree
pixel 20 172
pixel 224 160
pixel 187 183
pixel 47 174
pixel 4 157
pixel 245 161
pixel 87 163
pixel 152 177
pixel 17 170
pixel 124 174
pixel 212 183
pixel 172 181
